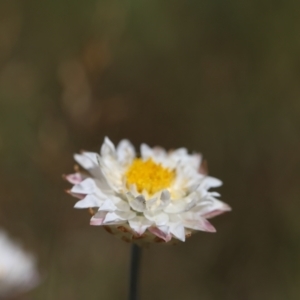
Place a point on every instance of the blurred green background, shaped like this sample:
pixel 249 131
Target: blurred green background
pixel 218 77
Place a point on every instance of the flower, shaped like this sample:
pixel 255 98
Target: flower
pixel 17 269
pixel 158 196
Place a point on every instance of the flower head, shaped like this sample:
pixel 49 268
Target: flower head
pixel 158 196
pixel 18 271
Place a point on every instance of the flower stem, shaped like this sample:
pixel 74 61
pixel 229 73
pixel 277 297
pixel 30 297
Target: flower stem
pixel 134 270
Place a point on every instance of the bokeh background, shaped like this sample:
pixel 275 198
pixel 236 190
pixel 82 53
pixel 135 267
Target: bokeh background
pixel 218 77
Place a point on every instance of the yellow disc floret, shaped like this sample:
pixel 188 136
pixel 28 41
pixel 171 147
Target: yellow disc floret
pixel 148 175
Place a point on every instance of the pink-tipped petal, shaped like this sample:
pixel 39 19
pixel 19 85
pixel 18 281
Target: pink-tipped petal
pixel 196 222
pixel 216 212
pixel 74 178
pixel 98 218
pixel 209 227
pixel 96 221
pixel 213 208
pixel 86 186
pixel 161 232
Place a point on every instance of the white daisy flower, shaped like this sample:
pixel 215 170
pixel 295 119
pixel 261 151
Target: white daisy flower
pixel 18 271
pixel 158 196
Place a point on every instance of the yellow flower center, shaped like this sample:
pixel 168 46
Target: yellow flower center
pixel 148 175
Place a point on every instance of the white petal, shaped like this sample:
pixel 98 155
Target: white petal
pixel 165 195
pixel 89 201
pixel 181 157
pixel 193 187
pixel 159 152
pixel 215 194
pixel 118 217
pixel 121 205
pixel 196 160
pixel 94 157
pixel 163 202
pixel 178 153
pixel 125 152
pixel 126 215
pixel 210 182
pixel 102 183
pixel 112 171
pixel 178 231
pixel 113 218
pixel 137 203
pixel 165 199
pixel 108 206
pixel 91 162
pixel 86 186
pixel 133 190
pixel 159 155
pixel 159 218
pixel 92 186
pixel 174 218
pixel 85 161
pixel 146 152
pixel 108 148
pixel 139 224
pixel 181 205
pixel 152 204
pixel 175 207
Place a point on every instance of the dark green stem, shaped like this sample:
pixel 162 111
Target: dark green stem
pixel 134 272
